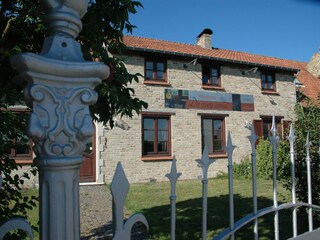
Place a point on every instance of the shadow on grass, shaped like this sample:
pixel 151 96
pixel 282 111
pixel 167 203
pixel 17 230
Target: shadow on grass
pixel 189 218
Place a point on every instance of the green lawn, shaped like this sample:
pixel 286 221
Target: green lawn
pixel 152 199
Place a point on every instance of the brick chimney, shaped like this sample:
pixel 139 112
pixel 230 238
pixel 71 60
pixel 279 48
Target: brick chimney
pixel 204 38
pixel 314 65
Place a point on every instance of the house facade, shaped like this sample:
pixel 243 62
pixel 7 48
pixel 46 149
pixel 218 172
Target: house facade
pixel 196 95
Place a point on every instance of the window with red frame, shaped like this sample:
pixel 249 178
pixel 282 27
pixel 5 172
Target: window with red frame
pixel 156 139
pixel 155 70
pixel 263 126
pixel 211 76
pixel 268 82
pixel 213 134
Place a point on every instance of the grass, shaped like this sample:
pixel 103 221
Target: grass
pixel 152 199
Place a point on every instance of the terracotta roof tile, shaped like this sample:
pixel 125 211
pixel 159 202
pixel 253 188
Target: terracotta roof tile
pixel 311 83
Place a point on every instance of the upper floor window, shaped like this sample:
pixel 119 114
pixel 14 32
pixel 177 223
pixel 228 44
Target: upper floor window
pixel 156 135
pixel 268 82
pixel 155 70
pixel 211 76
pixel 213 134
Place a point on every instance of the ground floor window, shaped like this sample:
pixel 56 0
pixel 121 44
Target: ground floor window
pixel 156 135
pixel 20 147
pixel 263 126
pixel 213 133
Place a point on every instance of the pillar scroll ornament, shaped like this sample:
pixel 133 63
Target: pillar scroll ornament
pixel 59 91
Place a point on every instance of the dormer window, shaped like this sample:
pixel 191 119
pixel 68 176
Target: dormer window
pixel 155 70
pixel 211 76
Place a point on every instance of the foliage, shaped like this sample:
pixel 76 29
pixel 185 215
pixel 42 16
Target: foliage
pixel 308 119
pixel 264 165
pixel 243 170
pixel 22 30
pixel 12 202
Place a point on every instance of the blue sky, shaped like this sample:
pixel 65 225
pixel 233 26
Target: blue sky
pixel 287 29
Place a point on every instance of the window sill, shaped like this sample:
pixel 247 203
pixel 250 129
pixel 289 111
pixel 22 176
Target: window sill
pixel 270 92
pixel 24 161
pixel 220 155
pixel 157 158
pixel 216 88
pixel 159 83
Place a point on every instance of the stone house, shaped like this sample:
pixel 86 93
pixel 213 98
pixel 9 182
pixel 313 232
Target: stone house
pixel 196 95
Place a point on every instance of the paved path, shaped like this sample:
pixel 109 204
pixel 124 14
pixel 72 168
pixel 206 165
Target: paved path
pixel 96 215
pixel 95 212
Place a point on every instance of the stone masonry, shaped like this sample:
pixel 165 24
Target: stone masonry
pixel 126 145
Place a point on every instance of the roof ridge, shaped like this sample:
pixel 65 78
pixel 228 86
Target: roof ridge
pixel 167 41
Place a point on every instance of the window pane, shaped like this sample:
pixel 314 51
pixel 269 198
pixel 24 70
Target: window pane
pixel 149 66
pixel 263 81
pixel 205 75
pixel 22 145
pixel 162 136
pixel 149 74
pixel 162 123
pixel 160 75
pixel 266 129
pixel 148 141
pixel 163 147
pixel 214 81
pixel 217 135
pixel 160 67
pixel 217 145
pixel 207 134
pixel 214 72
pixel 148 123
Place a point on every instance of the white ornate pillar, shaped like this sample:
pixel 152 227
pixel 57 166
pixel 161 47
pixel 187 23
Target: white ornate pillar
pixel 59 91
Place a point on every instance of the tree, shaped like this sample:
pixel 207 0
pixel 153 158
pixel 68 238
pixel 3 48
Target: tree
pixel 22 30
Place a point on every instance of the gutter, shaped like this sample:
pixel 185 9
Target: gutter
pixel 148 50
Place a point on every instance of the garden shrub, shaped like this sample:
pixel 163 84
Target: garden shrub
pixel 264 164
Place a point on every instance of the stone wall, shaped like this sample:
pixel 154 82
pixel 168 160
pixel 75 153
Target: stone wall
pixel 125 146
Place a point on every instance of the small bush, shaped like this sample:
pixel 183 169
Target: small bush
pixel 264 163
pixel 243 170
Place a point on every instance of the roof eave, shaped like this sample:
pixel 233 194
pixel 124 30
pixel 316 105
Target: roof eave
pixel 180 54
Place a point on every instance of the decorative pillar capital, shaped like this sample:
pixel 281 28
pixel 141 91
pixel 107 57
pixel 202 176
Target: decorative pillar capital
pixel 60 88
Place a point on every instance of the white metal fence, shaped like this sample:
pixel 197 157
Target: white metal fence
pixel 234 226
pixel 120 187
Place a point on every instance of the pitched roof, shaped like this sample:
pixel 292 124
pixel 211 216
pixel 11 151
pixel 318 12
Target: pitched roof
pixel 311 83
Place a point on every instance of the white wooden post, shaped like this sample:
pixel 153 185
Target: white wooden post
pixel 204 163
pixel 173 177
pixel 59 91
